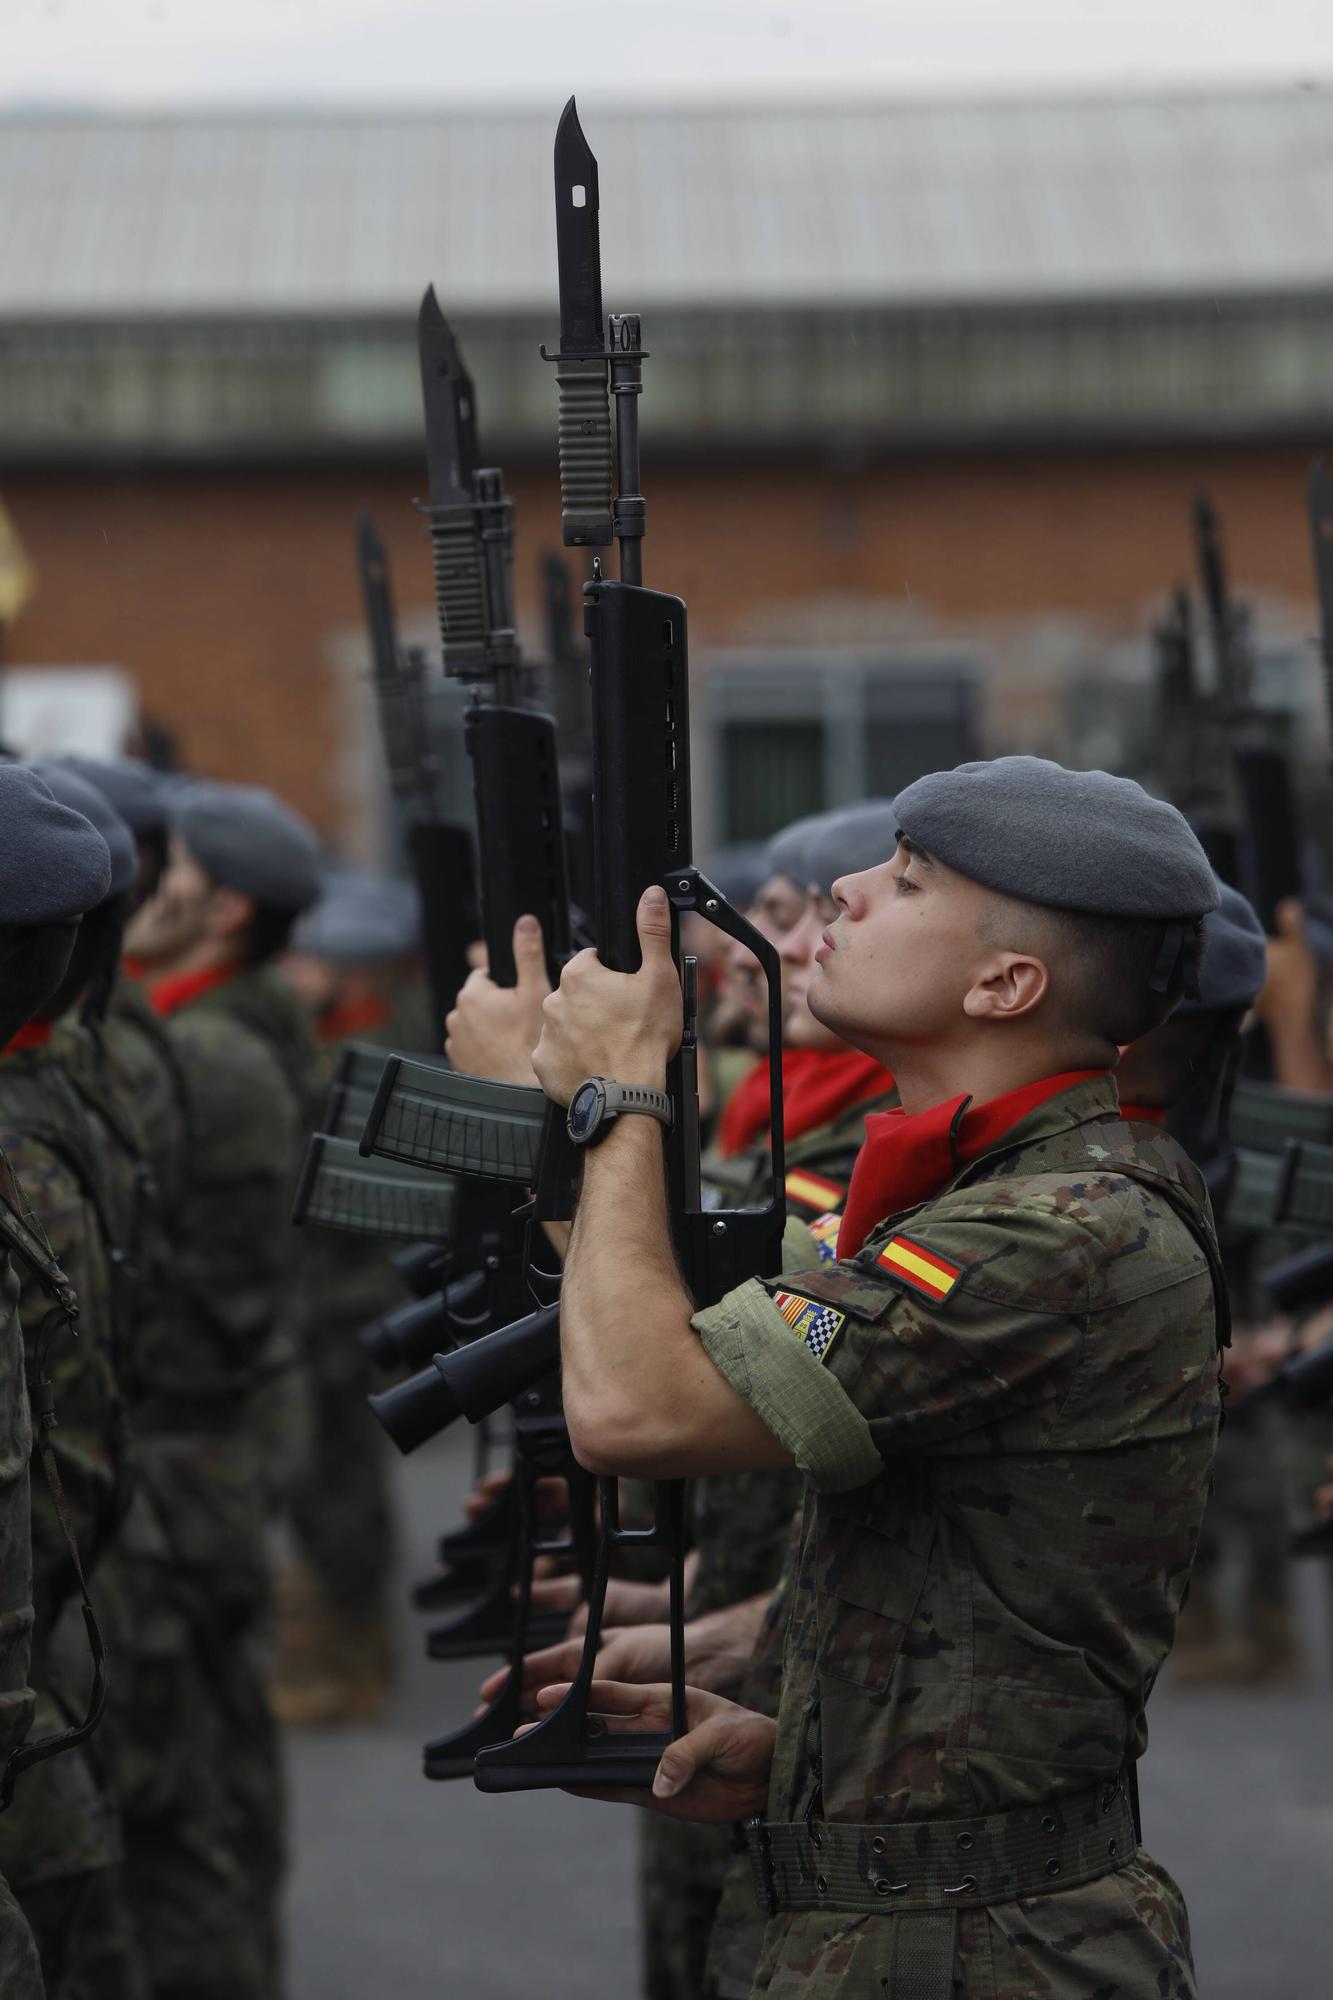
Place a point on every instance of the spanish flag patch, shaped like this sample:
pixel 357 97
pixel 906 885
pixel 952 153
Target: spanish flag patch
pixel 825 1229
pixel 812 1191
pixel 817 1325
pixel 934 1277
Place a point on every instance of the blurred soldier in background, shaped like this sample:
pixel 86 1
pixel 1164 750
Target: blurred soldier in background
pixel 352 962
pixel 205 1821
pixel 60 1842
pixel 57 869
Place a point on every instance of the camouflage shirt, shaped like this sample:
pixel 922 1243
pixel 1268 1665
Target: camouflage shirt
pixel 1005 1407
pixel 742 1521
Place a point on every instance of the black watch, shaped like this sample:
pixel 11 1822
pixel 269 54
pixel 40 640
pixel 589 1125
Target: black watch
pixel 598 1102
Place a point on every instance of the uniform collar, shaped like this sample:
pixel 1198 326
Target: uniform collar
pixel 910 1157
pixel 168 996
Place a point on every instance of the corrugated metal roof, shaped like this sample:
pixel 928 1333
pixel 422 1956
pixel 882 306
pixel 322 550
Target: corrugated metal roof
pixel 891 204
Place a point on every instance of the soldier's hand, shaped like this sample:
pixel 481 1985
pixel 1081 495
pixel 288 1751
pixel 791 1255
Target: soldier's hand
pixel 627 1602
pixel 640 1653
pixel 492 1030
pixel 626 1026
pixel 717 1772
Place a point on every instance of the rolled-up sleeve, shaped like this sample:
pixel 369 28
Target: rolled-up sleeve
pixel 804 1405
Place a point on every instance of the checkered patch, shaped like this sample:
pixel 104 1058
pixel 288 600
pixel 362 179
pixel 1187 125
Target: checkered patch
pixel 825 1229
pixel 817 1325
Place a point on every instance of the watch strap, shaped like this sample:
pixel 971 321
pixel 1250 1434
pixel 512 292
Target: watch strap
pixel 638 1097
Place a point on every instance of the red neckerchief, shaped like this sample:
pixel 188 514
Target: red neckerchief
pixel 1143 1114
pixel 36 1035
pixel 170 995
pixel 818 1085
pixel 820 1091
pixel 745 1113
pixel 132 967
pixel 908 1157
pixel 352 1017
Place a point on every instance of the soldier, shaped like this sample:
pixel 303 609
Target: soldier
pixel 1002 1396
pixel 333 1657
pixel 205 1820
pixel 58 868
pixel 742 1523
pixel 60 1843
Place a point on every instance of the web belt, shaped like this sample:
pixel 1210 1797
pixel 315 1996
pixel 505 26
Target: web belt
pixel 942 1865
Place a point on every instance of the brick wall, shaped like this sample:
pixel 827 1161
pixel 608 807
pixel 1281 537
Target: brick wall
pixel 232 598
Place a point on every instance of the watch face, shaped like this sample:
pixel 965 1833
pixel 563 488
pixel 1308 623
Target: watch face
pixel 584 1108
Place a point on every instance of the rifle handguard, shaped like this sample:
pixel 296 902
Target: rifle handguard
pixel 585 452
pixel 473 1382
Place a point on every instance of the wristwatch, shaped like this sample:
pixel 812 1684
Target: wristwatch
pixel 598 1102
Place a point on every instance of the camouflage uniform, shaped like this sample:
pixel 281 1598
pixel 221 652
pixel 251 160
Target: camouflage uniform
pixel 741 1528
pixel 60 1842
pixel 20 1969
pixel 1006 1416
pixel 341 1511
pixel 201 1769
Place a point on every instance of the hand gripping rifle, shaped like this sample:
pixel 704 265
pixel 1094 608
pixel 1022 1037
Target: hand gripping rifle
pixel 440 850
pixel 1272 869
pixel 641 805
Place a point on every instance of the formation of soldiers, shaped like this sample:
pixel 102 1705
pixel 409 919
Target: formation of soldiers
pixel 948 1470
pixel 166 1344
pixel 946 1382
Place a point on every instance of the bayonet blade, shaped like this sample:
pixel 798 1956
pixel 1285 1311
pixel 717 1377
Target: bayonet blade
pixel 447 398
pixel 578 245
pixel 1212 571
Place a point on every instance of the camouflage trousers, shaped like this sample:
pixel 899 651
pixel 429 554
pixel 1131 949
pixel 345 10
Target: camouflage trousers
pixel 340 1511
pixel 1123 1937
pixel 60 1839
pixel 681 1870
pixel 203 1803
pixel 20 1968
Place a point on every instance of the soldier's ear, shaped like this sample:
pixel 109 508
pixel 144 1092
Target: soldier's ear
pixel 1010 986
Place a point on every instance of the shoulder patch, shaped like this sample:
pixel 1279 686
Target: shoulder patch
pixel 920 1269
pixel 816 1325
pixel 813 1192
pixel 825 1229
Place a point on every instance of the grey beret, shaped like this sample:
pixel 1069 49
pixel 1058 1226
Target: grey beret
pixel 75 792
pixel 245 838
pixel 843 842
pixel 57 866
pixel 1235 957
pixel 360 919
pixel 133 788
pixel 739 872
pixel 1071 840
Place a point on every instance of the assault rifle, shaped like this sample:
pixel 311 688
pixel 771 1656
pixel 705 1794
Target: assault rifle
pixel 641 798
pixel 439 848
pixel 1267 862
pixel 641 835
pixel 1321 539
pixel 427 1117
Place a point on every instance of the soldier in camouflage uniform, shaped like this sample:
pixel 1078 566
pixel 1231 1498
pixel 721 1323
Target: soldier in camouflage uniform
pixel 1002 1396
pixel 58 869
pixel 742 1522
pixel 204 1805
pixel 60 1844
pixel 333 1656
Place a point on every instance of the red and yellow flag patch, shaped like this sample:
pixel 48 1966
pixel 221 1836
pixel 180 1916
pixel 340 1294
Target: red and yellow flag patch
pixel 812 1191
pixel 934 1277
